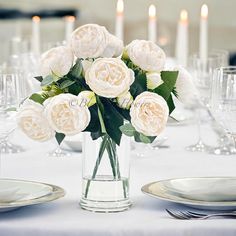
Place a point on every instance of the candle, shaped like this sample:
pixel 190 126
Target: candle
pixel 152 23
pixel 181 50
pixel 203 43
pixel 120 19
pixel 69 27
pixel 36 35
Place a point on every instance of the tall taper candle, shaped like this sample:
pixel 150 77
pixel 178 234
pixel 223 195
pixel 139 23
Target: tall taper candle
pixel 203 42
pixel 181 50
pixel 152 24
pixel 69 26
pixel 36 35
pixel 120 19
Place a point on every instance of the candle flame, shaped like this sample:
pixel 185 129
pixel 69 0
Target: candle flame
pixel 152 11
pixel 120 6
pixel 183 16
pixel 70 18
pixel 204 11
pixel 36 18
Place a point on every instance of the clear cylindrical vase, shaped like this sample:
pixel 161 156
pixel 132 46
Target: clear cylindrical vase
pixel 105 186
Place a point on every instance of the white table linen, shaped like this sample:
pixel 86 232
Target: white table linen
pixel 147 217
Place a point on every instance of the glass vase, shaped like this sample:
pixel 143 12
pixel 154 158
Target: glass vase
pixel 105 184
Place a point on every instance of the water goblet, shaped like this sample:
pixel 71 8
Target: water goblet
pixel 11 93
pixel 223 99
pixel 202 73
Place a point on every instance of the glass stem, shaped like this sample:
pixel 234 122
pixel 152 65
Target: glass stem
pixel 234 139
pixel 103 146
pixel 199 124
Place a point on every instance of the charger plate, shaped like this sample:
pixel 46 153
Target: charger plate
pixel 211 193
pixel 27 193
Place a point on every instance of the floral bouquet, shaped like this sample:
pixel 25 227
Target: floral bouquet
pixel 96 85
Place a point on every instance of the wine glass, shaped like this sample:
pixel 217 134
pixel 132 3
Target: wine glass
pixel 59 152
pixel 223 99
pixel 11 94
pixel 202 70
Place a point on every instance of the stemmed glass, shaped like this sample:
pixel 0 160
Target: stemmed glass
pixel 11 93
pixel 223 99
pixel 59 152
pixel 202 72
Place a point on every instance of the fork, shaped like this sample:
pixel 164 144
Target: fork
pixel 189 215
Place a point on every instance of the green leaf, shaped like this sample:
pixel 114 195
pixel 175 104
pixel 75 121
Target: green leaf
pixel 76 70
pixel 94 126
pixel 141 138
pixel 170 104
pixel 47 80
pixel 59 137
pixel 128 129
pixel 123 112
pixel 112 120
pixel 139 85
pixel 37 98
pixel 169 78
pixel 11 109
pixel 66 83
pixel 39 78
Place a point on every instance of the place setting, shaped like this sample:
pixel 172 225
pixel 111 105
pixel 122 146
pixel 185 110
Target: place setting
pixel 108 118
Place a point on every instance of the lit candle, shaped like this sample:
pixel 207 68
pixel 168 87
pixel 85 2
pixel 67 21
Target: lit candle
pixel 36 35
pixel 152 23
pixel 181 50
pixel 203 43
pixel 120 19
pixel 69 27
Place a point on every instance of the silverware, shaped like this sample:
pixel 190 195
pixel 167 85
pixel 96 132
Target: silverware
pixel 189 215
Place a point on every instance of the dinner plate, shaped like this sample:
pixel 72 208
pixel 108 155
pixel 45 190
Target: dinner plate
pixel 19 193
pixel 213 193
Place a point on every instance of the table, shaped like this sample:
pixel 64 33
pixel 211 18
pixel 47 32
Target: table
pixel 147 216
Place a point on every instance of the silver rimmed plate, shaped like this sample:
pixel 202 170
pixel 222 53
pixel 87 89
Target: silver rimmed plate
pixel 19 193
pixel 213 193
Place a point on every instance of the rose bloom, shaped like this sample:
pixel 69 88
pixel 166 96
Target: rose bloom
pixel 185 88
pixel 109 77
pixel 65 115
pixel 57 60
pixel 149 113
pixel 31 120
pixel 92 41
pixel 147 55
pixel 153 80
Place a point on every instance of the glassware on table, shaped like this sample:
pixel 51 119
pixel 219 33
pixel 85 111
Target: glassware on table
pixel 202 73
pixel 11 93
pixel 59 152
pixel 105 186
pixel 223 99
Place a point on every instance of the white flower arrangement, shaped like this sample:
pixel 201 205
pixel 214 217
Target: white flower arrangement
pixel 107 90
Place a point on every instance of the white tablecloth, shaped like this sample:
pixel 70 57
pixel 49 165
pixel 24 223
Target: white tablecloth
pixel 64 217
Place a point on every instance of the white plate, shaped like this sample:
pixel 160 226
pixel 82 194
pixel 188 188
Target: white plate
pixel 25 193
pixel 214 193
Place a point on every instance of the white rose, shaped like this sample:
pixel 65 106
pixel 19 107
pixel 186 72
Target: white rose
pixel 149 113
pixel 109 77
pixel 153 80
pixel 114 47
pixel 57 60
pixel 33 123
pixel 185 88
pixel 125 100
pixel 92 41
pixel 65 115
pixel 147 55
